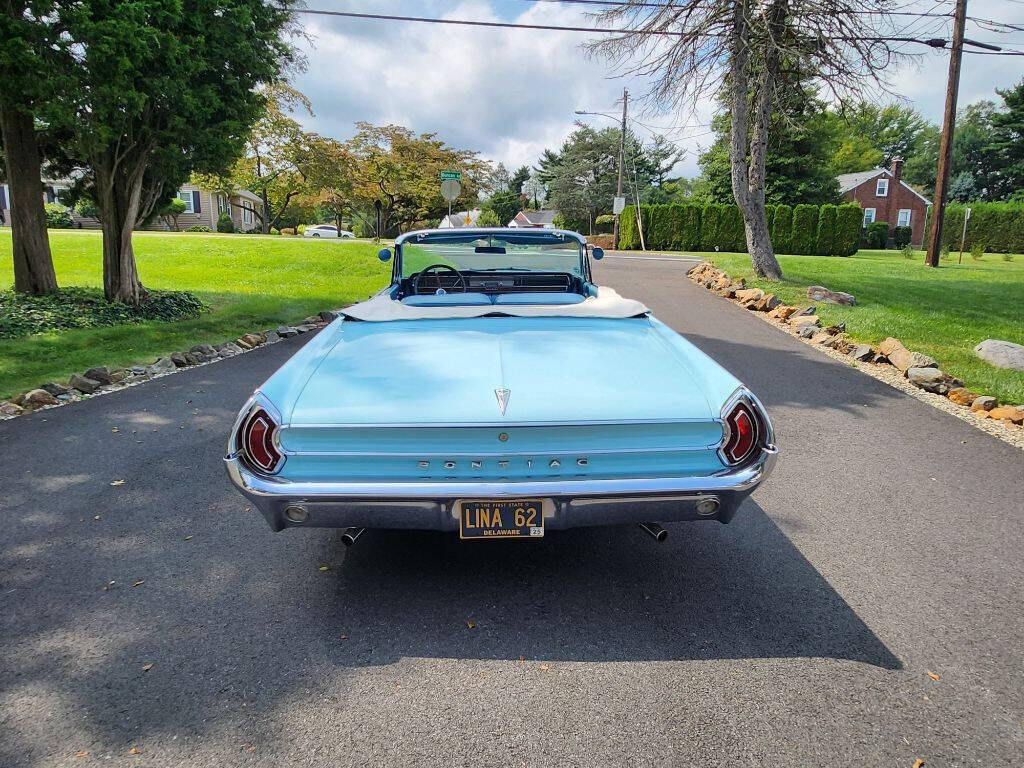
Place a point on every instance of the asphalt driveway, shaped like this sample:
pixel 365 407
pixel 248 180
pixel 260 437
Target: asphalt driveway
pixel 885 552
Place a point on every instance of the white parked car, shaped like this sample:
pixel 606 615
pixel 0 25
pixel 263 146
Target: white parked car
pixel 327 230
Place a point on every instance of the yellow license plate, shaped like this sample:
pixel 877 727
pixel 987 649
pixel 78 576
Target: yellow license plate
pixel 501 519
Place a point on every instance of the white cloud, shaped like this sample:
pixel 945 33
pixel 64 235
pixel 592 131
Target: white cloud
pixel 511 93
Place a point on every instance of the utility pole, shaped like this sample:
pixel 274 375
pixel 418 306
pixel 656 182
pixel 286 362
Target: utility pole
pixel 948 124
pixel 622 162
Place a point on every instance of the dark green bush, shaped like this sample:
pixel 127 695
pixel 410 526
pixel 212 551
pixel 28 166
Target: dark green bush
pixel 825 240
pixel 657 226
pixel 782 229
pixel 603 224
pixel 57 216
pixel 224 223
pixel 629 238
pixel 689 226
pixel 901 236
pixel 849 218
pixel 805 230
pixel 876 235
pixel 732 234
pixel 998 226
pixel 23 315
pixel 710 234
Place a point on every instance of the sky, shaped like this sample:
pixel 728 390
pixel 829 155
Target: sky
pixel 510 93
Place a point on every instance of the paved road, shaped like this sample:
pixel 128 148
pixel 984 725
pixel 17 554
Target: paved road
pixel 886 546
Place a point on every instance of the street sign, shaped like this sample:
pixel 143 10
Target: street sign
pixel 450 189
pixel 453 175
pixel 619 205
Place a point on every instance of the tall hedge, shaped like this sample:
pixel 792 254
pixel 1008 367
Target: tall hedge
pixel 999 227
pixel 731 233
pixel 689 226
pixel 782 229
pixel 849 218
pixel 805 230
pixel 825 244
pixel 710 225
pixel 658 226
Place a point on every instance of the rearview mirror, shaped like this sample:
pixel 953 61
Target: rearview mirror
pixel 384 254
pixel 598 253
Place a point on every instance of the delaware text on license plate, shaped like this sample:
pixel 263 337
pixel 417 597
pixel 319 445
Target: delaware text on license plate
pixel 501 518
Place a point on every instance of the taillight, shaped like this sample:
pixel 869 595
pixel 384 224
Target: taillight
pixel 742 434
pixel 257 441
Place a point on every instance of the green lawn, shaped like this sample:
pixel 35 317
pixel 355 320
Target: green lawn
pixel 250 282
pixel 942 312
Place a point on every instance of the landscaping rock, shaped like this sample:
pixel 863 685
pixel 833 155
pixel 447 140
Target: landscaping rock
pixel 840 328
pixel 245 345
pixel 37 398
pixel 805 321
pixel 903 358
pixel 931 380
pixel 83 384
pixel 118 375
pixel 312 320
pixel 180 359
pixel 228 348
pixel 862 352
pixel 840 343
pixel 962 396
pixel 821 337
pixel 100 374
pixel 1002 354
pixel 823 294
pixel 286 332
pixel 807 311
pixel 749 294
pixel 205 349
pixel 1009 412
pixel 807 331
pixel 138 370
pixel 329 315
pixel 191 358
pixel 10 409
pixel 55 389
pixel 782 312
pixel 984 403
pixel 271 336
pixel 767 303
pixel 254 339
pixel 163 365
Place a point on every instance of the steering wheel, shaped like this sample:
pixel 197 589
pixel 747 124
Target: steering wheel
pixel 435 270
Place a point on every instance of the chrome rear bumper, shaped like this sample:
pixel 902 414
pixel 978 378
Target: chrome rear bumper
pixel 431 505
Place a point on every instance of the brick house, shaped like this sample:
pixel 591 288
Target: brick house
pixel 884 196
pixel 202 207
pixel 527 219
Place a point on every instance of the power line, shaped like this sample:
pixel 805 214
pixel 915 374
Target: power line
pixel 934 43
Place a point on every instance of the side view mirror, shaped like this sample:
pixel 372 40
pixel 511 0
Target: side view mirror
pixel 597 253
pixel 384 254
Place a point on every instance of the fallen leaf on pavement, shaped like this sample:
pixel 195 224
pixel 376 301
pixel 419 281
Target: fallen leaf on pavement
pixel 139 582
pixel 918 763
pixel 252 749
pixel 544 667
pixel 343 637
pixel 147 667
pixel 115 429
pixel 82 753
pixel 134 751
pixel 934 676
pixel 325 567
pixel 471 624
pixel 118 482
pixel 189 537
pixel 96 517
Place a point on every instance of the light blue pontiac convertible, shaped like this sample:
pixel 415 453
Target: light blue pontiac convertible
pixel 493 389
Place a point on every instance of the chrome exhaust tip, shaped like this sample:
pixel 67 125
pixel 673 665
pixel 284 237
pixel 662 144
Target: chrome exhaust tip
pixel 296 513
pixel 708 507
pixel 655 530
pixel 348 538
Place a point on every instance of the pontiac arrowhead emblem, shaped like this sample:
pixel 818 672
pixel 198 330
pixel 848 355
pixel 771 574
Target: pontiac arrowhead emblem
pixel 502 395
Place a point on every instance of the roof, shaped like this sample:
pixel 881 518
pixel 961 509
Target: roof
pixel 850 181
pixel 508 234
pixel 539 218
pixel 457 219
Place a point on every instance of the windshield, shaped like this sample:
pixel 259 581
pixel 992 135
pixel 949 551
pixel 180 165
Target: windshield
pixel 494 253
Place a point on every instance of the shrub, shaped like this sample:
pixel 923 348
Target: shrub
pixel 908 252
pixel 731 232
pixel 629 238
pixel 877 234
pixel 488 218
pixel 57 216
pixel 944 252
pixel 170 212
pixel 658 226
pixel 848 224
pixel 23 315
pixel 198 228
pixel 805 229
pixel 901 236
pixel 275 231
pixel 977 250
pixel 710 219
pixel 87 209
pixel 826 234
pixel 689 226
pixel 999 226
pixel 1007 257
pixel 603 224
pixel 301 229
pixel 782 229
pixel 225 223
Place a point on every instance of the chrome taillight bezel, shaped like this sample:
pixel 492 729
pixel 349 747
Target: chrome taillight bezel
pixel 744 400
pixel 259 410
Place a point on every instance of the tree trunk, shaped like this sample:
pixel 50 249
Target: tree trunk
pixel 748 181
pixel 119 191
pixel 265 220
pixel 33 262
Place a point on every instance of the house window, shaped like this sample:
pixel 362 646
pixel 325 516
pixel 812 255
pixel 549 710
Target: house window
pixel 869 216
pixel 903 218
pixel 223 206
pixel 882 188
pixel 186 195
pixel 247 213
